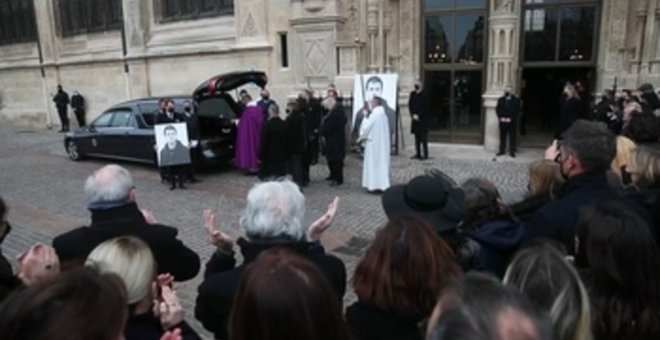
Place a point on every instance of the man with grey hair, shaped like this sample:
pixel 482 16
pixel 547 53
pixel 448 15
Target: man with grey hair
pixel 111 199
pixel 273 154
pixel 273 218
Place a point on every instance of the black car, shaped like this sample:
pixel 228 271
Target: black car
pixel 125 131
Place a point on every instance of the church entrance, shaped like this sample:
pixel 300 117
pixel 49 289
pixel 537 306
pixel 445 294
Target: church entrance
pixel 541 93
pixel 453 68
pixel 559 45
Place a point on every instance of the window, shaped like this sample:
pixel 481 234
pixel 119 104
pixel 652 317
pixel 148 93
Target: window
pixel 103 120
pixel 176 10
pixel 284 50
pixel 122 119
pixel 17 22
pixel 84 16
pixel 560 30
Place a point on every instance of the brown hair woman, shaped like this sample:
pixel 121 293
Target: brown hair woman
pixel 398 280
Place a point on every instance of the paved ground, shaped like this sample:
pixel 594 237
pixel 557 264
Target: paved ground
pixel 44 191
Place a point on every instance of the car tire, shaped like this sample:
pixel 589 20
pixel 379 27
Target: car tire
pixel 73 151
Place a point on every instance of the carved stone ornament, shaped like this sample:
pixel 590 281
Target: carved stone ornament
pixel 313 5
pixel 249 27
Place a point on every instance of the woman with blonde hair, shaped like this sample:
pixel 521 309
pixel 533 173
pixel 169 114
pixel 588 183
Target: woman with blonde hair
pixel 644 173
pixel 571 108
pixel 542 274
pixel 624 152
pixel 153 305
pixel 545 184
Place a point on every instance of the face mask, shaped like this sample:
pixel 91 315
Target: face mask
pixel 170 109
pixel 417 87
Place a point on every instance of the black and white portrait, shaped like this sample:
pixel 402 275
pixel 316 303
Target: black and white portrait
pixel 368 86
pixel 172 144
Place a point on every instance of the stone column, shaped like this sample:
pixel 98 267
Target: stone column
pixel 502 70
pixel 136 30
pixel 372 31
pixel 47 32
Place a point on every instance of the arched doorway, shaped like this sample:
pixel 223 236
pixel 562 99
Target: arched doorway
pixel 559 43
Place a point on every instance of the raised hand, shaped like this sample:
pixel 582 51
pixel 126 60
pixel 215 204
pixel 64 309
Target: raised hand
pixel 148 216
pixel 319 226
pixel 170 310
pixel 38 263
pixel 552 152
pixel 220 239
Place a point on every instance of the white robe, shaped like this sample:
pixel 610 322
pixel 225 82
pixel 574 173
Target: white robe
pixel 375 131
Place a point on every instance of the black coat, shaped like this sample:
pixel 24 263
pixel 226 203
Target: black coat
pixel 296 140
pixel 222 276
pixel 367 322
pixel 508 108
pixel 418 103
pixel 649 199
pixel 557 220
pixel 162 118
pixel 571 110
pixel 171 255
pixel 273 153
pixel 78 102
pixel 148 327
pixel 334 132
pixel 8 281
pixel 192 123
pixel 61 99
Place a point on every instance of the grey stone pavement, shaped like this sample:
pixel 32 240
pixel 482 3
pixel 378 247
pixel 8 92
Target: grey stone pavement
pixel 43 189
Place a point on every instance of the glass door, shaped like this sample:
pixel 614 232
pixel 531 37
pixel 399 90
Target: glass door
pixel 453 63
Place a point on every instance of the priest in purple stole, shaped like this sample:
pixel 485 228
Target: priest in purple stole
pixel 248 138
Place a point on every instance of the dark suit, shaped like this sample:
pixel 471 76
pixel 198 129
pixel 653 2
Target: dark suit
pixel 508 107
pixel 192 123
pixel 296 143
pixel 313 111
pixel 418 105
pixel 273 153
pixel 171 255
pixel 61 100
pixel 333 132
pixel 571 110
pixel 78 105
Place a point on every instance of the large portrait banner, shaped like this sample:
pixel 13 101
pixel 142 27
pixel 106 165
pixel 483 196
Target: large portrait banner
pixel 172 144
pixel 365 88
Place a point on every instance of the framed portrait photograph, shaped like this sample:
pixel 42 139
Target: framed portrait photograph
pixel 172 144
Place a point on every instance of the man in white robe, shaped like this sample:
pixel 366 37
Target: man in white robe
pixel 375 133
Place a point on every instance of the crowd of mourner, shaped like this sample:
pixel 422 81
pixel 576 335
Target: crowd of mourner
pixel 576 259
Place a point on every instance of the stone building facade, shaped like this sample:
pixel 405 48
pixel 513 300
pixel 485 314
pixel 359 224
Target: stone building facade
pixel 466 51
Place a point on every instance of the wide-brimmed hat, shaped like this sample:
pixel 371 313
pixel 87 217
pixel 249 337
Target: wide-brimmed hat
pixel 434 199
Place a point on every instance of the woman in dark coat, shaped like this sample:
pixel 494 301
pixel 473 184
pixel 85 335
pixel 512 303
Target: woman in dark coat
pixel 545 183
pixel 296 142
pixel 571 108
pixel 333 132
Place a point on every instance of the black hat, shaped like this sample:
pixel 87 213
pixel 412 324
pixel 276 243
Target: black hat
pixel 434 199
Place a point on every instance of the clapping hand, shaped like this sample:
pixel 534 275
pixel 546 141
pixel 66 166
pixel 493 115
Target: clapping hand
pixel 223 241
pixel 168 308
pixel 552 152
pixel 148 216
pixel 319 226
pixel 38 263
